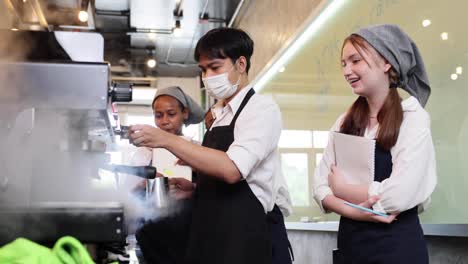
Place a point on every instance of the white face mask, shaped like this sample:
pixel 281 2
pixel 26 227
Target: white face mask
pixel 219 86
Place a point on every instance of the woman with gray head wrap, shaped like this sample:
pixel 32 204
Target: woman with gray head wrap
pixel 166 105
pixel 161 240
pixel 402 53
pixel 375 61
pixel 173 109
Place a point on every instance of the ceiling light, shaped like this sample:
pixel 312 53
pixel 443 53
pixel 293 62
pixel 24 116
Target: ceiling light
pixel 426 23
pixel 83 16
pixel 35 27
pixel 454 76
pixel 151 63
pixel 14 29
pixel 328 10
pixel 177 31
pixel 282 69
pixel 444 36
pixel 152 36
pixel 459 70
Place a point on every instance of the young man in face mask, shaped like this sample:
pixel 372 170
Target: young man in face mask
pixel 236 215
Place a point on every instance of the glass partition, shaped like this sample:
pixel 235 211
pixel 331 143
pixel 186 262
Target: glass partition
pixel 312 93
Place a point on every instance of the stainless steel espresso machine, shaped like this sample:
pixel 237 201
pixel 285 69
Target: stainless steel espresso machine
pixel 55 126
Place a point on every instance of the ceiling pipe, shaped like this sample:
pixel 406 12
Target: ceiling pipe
pixel 236 13
pixel 40 15
pixel 178 12
pixel 92 10
pixel 169 50
pixel 16 20
pixel 17 8
pixel 84 5
pixel 204 9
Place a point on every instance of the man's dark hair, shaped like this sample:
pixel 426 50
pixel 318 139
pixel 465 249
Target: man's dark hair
pixel 222 43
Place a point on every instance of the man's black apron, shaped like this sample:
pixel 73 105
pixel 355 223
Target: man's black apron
pixel 225 223
pixel 229 224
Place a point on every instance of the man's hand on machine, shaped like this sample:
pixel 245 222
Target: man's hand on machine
pixel 147 136
pixel 181 188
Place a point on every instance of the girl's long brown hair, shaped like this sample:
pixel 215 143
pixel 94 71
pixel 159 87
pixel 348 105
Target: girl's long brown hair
pixel 390 115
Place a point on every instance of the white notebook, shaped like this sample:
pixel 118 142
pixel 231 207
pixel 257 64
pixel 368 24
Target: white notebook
pixel 355 156
pixel 164 161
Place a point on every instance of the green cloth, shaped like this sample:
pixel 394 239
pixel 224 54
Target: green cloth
pixel 67 250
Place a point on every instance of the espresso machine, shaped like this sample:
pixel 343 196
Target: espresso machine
pixel 56 125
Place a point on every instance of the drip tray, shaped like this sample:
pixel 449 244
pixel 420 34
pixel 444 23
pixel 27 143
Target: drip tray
pixel 47 222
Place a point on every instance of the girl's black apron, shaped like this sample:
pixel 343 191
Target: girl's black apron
pixel 399 242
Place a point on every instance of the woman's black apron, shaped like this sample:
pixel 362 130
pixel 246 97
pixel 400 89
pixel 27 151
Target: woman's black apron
pixel 377 243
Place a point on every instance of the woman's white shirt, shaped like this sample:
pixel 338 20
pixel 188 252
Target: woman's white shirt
pixel 413 176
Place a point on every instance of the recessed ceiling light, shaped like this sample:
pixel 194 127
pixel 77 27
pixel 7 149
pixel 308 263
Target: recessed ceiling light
pixel 151 63
pixel 426 23
pixel 454 76
pixel 459 70
pixel 177 31
pixel 83 16
pixel 152 36
pixel 444 36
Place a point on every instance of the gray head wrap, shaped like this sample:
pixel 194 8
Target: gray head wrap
pixel 196 113
pixel 401 52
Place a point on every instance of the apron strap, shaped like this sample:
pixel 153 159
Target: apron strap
pixel 247 97
pixel 276 220
pixel 291 252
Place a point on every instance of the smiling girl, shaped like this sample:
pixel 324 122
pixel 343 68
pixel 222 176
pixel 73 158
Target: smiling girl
pixel 375 61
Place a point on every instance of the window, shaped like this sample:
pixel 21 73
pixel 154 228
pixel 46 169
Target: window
pixel 296 167
pixel 320 139
pixel 295 139
pixel 318 158
pixel 300 153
